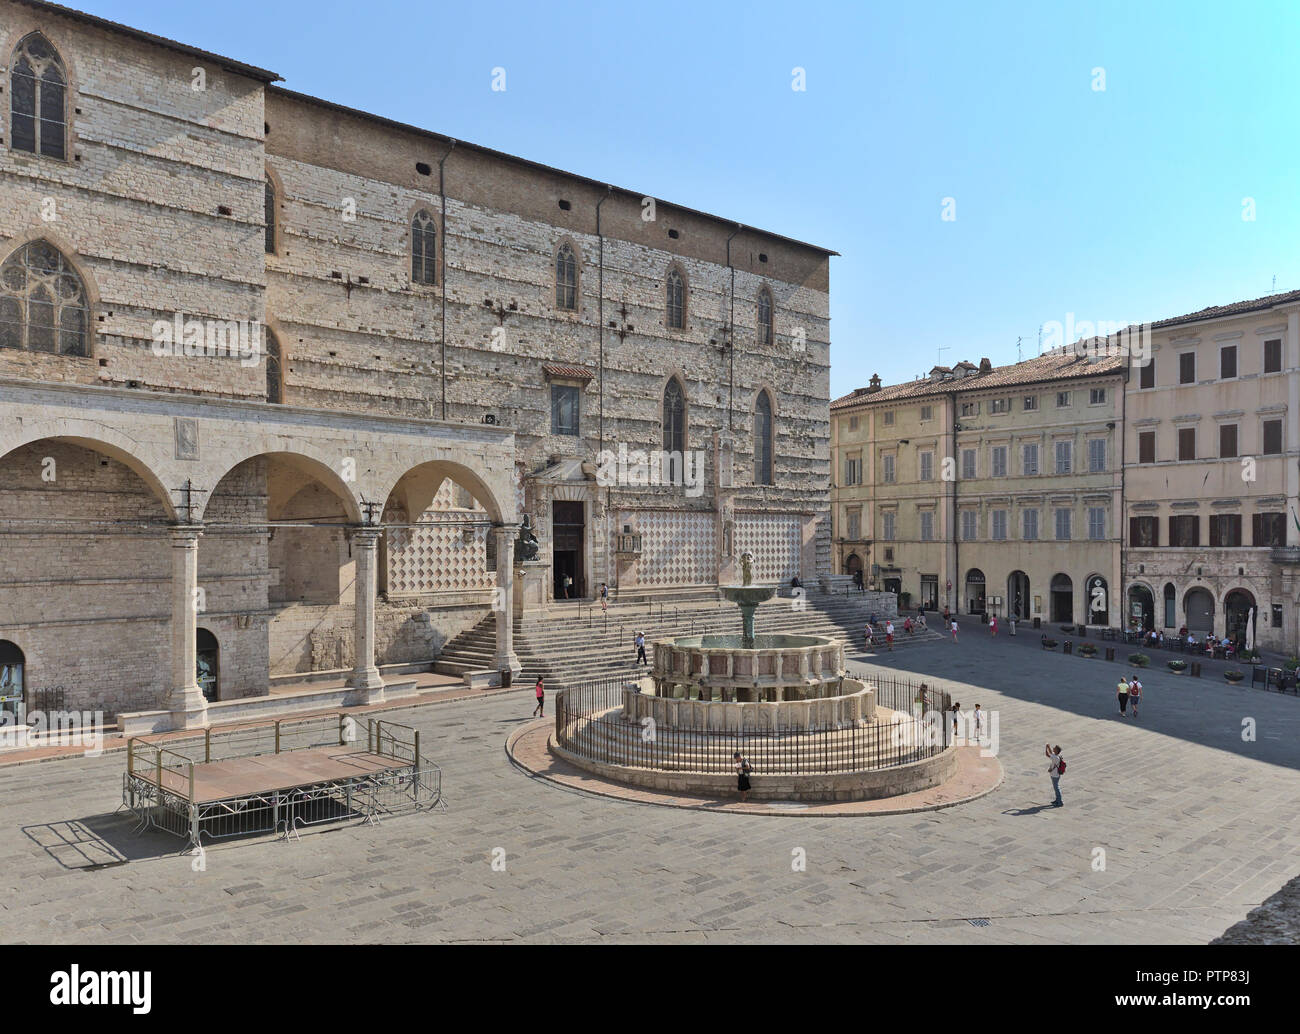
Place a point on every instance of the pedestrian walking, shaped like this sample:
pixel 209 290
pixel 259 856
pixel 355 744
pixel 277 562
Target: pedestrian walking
pixel 1055 769
pixel 640 648
pixel 540 693
pixel 947 614
pixel 978 716
pixel 604 598
pixel 956 713
pixel 1134 694
pixel 954 631
pixel 568 584
pixel 1122 694
pixel 742 775
pixel 993 628
pixel 889 635
pixel 923 698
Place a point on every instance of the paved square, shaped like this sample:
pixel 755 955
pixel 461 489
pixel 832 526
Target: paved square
pixel 1197 826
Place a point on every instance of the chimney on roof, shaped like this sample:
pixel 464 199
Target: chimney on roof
pixel 874 382
pixel 985 365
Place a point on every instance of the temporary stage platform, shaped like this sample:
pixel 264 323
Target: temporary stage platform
pixel 278 778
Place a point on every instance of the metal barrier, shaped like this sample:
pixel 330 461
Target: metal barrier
pixel 159 784
pixel 589 723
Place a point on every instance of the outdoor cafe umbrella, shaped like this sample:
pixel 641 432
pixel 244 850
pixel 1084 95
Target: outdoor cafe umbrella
pixel 1250 629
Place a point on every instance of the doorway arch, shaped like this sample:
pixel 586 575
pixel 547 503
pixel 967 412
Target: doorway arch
pixel 1062 593
pixel 1018 595
pixel 1141 607
pixel 12 663
pixel 1198 605
pixel 1171 605
pixel 852 564
pixel 974 591
pixel 1096 601
pixel 1237 607
pixel 208 664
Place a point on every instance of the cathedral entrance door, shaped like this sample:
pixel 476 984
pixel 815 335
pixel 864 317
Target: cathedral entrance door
pixel 568 524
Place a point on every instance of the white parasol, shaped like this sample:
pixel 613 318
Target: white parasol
pixel 1250 629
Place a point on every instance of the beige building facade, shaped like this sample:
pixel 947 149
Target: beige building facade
pixel 986 489
pixel 1212 479
pixel 309 369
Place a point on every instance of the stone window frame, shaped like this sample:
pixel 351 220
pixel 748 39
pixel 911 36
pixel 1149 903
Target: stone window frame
pixel 1236 439
pixel 922 513
pixel 578 264
pixel 579 386
pixel 765 337
pixel 1263 435
pixel 434 210
pixel 276 184
pixel 23 31
pixel 771 436
pixel 675 375
pixel 1263 356
pixel 89 288
pixel 677 268
pixel 272 330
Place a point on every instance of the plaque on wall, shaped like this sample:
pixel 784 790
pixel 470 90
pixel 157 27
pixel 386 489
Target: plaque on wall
pixel 187 438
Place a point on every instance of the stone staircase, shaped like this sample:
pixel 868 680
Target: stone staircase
pixel 576 642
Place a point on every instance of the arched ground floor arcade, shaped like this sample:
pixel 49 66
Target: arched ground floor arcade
pixel 1240 591
pixel 165 553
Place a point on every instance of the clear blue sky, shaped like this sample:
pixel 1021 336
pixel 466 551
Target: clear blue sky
pixel 1122 204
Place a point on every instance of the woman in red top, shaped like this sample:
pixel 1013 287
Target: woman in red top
pixel 540 709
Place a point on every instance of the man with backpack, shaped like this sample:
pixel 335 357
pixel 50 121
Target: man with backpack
pixel 1055 769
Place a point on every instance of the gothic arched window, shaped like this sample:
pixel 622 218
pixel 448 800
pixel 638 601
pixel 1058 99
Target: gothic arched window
pixel 38 99
pixel 274 367
pixel 43 306
pixel 424 249
pixel 566 279
pixel 764 317
pixel 676 300
pixel 674 417
pixel 763 440
pixel 268 212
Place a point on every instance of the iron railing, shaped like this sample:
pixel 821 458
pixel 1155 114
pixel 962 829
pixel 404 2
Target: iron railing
pixel 589 723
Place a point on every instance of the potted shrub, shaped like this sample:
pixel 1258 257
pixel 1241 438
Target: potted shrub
pixel 1292 663
pixel 1067 629
pixel 1049 644
pixel 1233 676
pixel 1139 660
pixel 1176 666
pixel 1087 650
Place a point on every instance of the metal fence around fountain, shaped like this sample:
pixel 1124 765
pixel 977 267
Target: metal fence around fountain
pixel 588 723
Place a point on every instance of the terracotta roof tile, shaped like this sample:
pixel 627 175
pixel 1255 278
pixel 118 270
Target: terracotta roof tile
pixel 570 372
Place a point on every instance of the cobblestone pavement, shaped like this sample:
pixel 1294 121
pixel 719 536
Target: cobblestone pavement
pixel 1197 828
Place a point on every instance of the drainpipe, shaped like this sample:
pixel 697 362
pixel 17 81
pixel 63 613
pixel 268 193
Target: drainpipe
pixel 1123 508
pixel 600 310
pixel 442 190
pixel 956 539
pixel 731 328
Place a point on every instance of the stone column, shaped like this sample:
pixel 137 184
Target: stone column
pixel 365 675
pixel 502 602
pixel 186 703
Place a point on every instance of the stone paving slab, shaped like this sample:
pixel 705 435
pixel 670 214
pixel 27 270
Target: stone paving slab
pixel 1196 827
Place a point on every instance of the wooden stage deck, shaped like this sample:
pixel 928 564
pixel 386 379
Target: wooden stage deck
pixel 268 773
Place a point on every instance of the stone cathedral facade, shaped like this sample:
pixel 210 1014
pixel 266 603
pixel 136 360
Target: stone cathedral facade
pixel 279 380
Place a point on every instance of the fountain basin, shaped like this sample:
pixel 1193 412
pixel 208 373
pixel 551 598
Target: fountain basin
pixel 854 707
pixel 731 668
